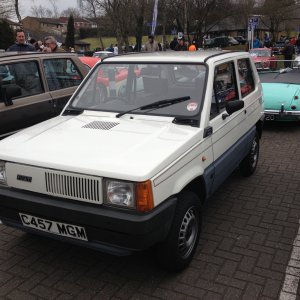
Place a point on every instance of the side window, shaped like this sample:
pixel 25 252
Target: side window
pixel 21 76
pixel 245 77
pixel 61 73
pixel 225 88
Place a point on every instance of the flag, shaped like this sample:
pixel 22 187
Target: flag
pixel 154 18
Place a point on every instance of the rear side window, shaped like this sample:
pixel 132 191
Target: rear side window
pixel 245 75
pixel 21 76
pixel 61 73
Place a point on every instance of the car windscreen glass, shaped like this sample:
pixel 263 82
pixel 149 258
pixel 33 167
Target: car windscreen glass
pixel 123 87
pixel 260 53
pixel 292 76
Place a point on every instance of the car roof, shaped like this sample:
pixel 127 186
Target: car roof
pixel 260 49
pixel 17 55
pixel 176 56
pixel 103 52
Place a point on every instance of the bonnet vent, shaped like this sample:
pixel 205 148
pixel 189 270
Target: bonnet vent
pixel 100 125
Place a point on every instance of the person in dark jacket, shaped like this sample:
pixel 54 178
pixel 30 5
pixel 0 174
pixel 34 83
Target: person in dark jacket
pixel 181 46
pixel 288 52
pixel 20 44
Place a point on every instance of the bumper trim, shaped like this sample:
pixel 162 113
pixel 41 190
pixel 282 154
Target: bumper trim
pixel 110 230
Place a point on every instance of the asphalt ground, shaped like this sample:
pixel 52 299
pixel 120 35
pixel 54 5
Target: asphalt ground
pixel 249 248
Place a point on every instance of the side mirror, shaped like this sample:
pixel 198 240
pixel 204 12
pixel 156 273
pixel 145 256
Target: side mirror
pixel 231 107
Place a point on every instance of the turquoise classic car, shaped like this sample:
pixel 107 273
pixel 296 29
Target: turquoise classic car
pixel 281 94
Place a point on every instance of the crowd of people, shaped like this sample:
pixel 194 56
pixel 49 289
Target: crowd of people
pixel 177 44
pixel 48 45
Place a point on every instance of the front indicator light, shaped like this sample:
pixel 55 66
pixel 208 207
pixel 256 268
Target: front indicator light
pixel 2 173
pixel 144 196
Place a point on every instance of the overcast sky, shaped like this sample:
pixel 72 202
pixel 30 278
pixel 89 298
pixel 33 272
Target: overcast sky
pixel 25 5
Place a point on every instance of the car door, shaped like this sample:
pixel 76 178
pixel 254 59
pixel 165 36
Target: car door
pixel 30 102
pixel 227 130
pixel 63 76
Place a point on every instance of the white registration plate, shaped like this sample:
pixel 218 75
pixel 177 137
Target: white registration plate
pixel 63 229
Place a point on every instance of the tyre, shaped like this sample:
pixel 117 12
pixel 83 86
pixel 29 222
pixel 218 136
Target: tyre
pixel 249 163
pixel 177 250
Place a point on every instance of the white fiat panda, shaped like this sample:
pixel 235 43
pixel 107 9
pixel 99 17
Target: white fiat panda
pixel 143 142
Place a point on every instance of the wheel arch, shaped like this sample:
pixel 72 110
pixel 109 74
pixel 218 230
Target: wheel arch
pixel 259 127
pixel 197 186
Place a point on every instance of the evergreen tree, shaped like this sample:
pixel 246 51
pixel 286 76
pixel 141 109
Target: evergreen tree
pixel 70 37
pixel 7 35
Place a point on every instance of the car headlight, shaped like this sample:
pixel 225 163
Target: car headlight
pixel 129 194
pixel 2 172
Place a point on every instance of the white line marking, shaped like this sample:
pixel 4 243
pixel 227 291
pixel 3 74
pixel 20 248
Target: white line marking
pixel 292 272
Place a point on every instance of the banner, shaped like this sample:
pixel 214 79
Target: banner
pixel 154 18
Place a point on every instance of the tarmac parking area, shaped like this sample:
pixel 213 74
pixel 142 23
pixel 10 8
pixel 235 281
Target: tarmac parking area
pixel 249 248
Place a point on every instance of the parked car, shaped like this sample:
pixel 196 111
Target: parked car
pixel 89 61
pixel 278 47
pixel 208 43
pixel 129 169
pixel 240 39
pixel 35 87
pixel 221 41
pixel 103 54
pixel 263 58
pixel 296 63
pixel 281 94
pixel 232 41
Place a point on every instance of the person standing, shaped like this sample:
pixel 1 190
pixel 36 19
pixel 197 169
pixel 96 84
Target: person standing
pixel 20 44
pixel 174 43
pixel 116 49
pixel 151 45
pixel 193 47
pixel 288 52
pixel 181 46
pixel 51 45
pixel 298 45
pixel 256 43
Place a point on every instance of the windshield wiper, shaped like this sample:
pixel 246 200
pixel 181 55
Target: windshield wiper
pixel 156 105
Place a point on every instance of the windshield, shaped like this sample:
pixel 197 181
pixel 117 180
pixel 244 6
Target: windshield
pixel 260 53
pixel 124 87
pixel 291 76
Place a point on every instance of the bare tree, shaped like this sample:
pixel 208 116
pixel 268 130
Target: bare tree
pixel 276 13
pixel 7 8
pixel 93 9
pixel 71 11
pixel 41 12
pixel 55 9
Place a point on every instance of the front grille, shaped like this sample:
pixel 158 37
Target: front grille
pixel 100 125
pixel 73 186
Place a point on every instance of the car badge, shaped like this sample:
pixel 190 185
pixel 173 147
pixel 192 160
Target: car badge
pixel 24 178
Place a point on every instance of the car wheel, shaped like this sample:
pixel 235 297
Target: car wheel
pixel 249 163
pixel 177 250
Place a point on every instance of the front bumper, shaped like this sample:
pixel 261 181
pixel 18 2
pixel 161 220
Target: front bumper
pixel 118 232
pixel 273 115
